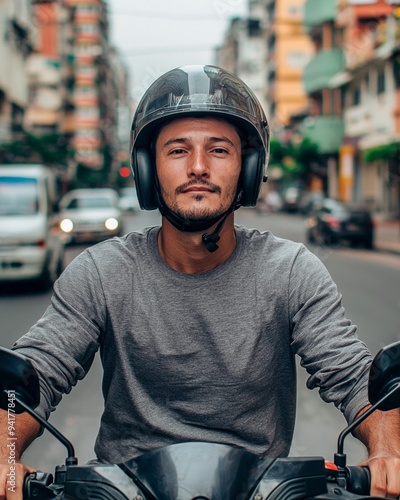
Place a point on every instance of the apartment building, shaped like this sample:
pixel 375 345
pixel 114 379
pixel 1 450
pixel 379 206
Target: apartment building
pixel 93 117
pixel 371 90
pixel 289 49
pixel 50 107
pixel 268 49
pixel 17 35
pixel 243 51
pixel 353 87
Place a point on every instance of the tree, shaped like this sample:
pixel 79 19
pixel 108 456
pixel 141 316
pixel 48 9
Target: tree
pixel 297 161
pixel 49 149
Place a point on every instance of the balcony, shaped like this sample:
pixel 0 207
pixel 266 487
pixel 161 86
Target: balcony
pixel 317 12
pixel 325 131
pixel 319 71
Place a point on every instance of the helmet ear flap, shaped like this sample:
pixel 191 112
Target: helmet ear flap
pixel 251 177
pixel 144 174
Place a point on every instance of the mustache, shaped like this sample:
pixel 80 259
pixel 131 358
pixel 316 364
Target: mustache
pixel 196 182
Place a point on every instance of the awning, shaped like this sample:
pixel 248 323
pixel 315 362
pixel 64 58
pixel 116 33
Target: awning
pixel 340 79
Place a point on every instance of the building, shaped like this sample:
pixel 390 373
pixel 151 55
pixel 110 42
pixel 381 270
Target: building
pixel 17 35
pixel 289 49
pixel 268 50
pixel 90 46
pixel 325 125
pixel 50 108
pixel 353 86
pixel 243 51
pixel 124 114
pixel 370 151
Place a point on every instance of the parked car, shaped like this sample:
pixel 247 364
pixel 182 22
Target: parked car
pixel 90 215
pixel 291 199
pixel 310 202
pixel 333 222
pixel 31 245
pixel 128 200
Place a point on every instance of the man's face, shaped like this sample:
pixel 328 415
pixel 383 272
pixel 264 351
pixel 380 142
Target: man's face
pixel 198 166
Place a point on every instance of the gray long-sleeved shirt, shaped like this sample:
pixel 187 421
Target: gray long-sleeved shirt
pixel 206 356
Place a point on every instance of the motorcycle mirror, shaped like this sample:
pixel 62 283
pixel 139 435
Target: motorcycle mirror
pixel 384 376
pixel 19 383
pixel 18 378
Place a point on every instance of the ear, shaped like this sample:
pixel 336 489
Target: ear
pixel 252 174
pixel 144 173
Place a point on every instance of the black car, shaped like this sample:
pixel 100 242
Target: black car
pixel 333 222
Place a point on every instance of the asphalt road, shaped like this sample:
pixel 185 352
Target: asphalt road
pixel 368 281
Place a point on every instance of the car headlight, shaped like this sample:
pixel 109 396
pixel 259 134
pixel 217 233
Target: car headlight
pixel 111 224
pixel 66 225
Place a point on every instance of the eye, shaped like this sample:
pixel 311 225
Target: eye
pixel 177 152
pixel 220 150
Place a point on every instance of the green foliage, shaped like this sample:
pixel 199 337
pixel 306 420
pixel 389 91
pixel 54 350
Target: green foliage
pixel 294 159
pixel 86 177
pixel 49 149
pixel 385 152
pixel 54 150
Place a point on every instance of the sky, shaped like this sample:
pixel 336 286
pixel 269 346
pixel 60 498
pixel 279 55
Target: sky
pixel 154 36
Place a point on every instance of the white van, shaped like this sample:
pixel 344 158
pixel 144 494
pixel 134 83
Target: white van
pixel 31 247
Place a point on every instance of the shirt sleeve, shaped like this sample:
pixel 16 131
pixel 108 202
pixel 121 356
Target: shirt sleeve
pixel 326 341
pixel 63 343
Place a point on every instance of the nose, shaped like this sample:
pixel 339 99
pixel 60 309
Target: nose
pixel 198 164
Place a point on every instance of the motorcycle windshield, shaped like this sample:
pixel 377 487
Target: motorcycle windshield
pixel 197 470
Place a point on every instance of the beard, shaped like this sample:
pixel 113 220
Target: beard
pixel 196 212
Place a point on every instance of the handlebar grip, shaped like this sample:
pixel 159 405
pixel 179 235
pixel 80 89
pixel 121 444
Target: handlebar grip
pixel 36 485
pixel 358 479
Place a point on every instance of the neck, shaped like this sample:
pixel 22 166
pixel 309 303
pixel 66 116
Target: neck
pixel 185 251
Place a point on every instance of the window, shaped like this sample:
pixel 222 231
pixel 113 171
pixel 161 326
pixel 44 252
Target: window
pixel 343 96
pixel 381 81
pixel 86 8
pixel 254 27
pixel 396 72
pixel 88 112
pixel 18 196
pixel 357 96
pixel 295 10
pixel 367 82
pixel 297 59
pixel 87 28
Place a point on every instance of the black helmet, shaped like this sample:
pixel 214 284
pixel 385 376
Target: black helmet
pixel 199 91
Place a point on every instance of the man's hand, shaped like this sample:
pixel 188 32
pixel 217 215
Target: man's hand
pixel 12 472
pixel 12 480
pixel 385 475
pixel 380 433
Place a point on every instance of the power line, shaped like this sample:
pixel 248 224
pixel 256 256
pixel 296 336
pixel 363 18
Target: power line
pixel 156 50
pixel 177 17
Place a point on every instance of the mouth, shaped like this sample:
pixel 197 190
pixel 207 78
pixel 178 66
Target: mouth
pixel 198 189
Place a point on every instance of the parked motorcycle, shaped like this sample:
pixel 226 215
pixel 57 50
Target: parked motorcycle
pixel 196 470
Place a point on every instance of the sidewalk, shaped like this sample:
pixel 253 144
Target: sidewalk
pixel 387 236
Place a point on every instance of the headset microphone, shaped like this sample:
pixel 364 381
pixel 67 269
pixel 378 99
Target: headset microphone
pixel 210 240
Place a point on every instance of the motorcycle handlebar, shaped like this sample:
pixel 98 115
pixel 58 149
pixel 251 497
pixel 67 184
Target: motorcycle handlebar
pixel 358 479
pixel 40 485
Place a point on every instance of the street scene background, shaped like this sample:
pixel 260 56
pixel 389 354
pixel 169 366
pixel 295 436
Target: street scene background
pixel 327 74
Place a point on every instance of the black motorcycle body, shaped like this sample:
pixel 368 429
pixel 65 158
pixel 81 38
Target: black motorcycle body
pixel 196 470
pixel 188 471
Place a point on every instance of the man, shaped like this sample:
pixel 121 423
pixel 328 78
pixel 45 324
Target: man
pixel 197 321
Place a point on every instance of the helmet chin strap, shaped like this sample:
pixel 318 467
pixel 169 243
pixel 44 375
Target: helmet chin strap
pixel 209 240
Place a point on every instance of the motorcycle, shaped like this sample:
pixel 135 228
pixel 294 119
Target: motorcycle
pixel 197 470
